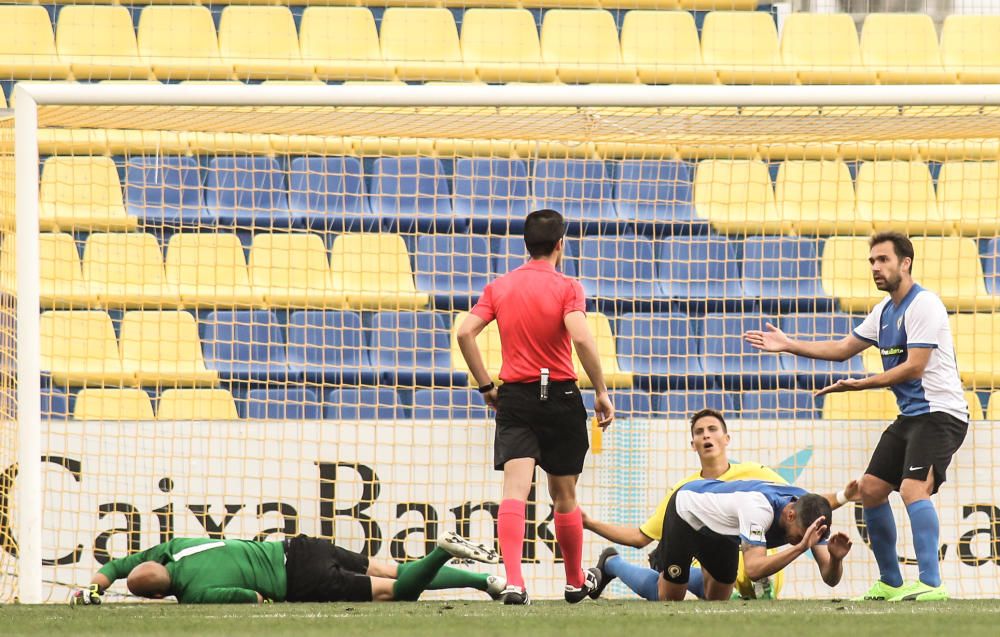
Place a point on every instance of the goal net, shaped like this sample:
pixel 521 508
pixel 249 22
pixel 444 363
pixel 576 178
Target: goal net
pixel 231 310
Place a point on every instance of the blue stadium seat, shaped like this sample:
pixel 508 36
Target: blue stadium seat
pixel 661 350
pixel 991 265
pixel 327 193
pixel 725 354
pixel 452 269
pixel 328 347
pixel 248 192
pixel 509 253
pixel 814 374
pixel 492 193
pixel 656 195
pixel 410 194
pixel 164 190
pixel 363 403
pixel 245 345
pixel 778 405
pixel 629 403
pixel 619 273
pixel 282 404
pixel 783 272
pixel 682 404
pixel 459 404
pixel 700 270
pixel 55 404
pixel 413 348
pixel 579 189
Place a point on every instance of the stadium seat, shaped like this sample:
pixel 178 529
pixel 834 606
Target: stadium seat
pixel 970 48
pixel 410 194
pixel 778 405
pixel 55 404
pixel 736 197
pixel 492 194
pixel 163 349
pixel 245 345
pixel 660 350
pixel 248 192
pixel 993 409
pixel 583 46
pixel 291 269
pixel 663 47
pixel 196 404
pixel 977 348
pixel 328 193
pixel 742 46
pixel 607 352
pixel 412 349
pixel 629 403
pixel 847 275
pixel 680 405
pixel 329 347
pixel 510 253
pixel 125 269
pixel 82 193
pixel 99 43
pixel 699 270
pixel 373 271
pixel 817 197
pixel 823 49
pixel 448 404
pixel 899 195
pixel 210 269
pixel 991 265
pixel 950 267
pixel 619 272
pixel 112 405
pixel 903 49
pixel 783 274
pixel 61 283
pixel 975 406
pixel 452 269
pixel 79 348
pixel 814 373
pixel 180 43
pixel 579 189
pixel 261 43
pixel 422 44
pixel 502 45
pixel 740 366
pixel 871 358
pixel 654 194
pixel 489 346
pixel 874 404
pixel 283 404
pixel 27 45
pixel 969 193
pixel 342 44
pixel 363 403
pixel 164 190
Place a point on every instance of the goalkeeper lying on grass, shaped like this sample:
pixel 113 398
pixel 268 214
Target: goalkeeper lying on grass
pixel 300 569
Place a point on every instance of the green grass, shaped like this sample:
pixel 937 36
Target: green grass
pixel 466 619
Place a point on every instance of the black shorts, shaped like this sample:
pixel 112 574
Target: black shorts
pixel 913 444
pixel 680 543
pixel 320 571
pixel 553 431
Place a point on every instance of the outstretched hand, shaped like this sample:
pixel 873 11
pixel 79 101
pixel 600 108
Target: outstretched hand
pixel 770 339
pixel 839 545
pixel 842 385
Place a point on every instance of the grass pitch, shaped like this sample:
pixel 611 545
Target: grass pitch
pixel 605 618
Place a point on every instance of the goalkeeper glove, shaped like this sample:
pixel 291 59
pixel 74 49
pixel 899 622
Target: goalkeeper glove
pixel 90 596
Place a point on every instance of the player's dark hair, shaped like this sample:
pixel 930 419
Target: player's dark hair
pixel 901 245
pixel 542 231
pixel 708 413
pixel 810 507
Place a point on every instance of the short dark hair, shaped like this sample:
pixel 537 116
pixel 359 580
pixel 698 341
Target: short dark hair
pixel 901 244
pixel 811 507
pixel 708 413
pixel 542 231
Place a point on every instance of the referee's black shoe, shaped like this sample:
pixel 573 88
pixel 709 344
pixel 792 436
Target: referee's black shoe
pixel 515 596
pixel 591 580
pixel 606 579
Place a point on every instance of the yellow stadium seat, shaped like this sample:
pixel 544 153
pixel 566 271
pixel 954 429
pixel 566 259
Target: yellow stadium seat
pixel 969 192
pixel 342 44
pixel 373 271
pixel 261 43
pixel 422 44
pixel 664 48
pixel 82 193
pixel 61 284
pixel 718 5
pixel 180 43
pixel 950 267
pixel 27 45
pixel 583 46
pixel 607 351
pixel 903 49
pixel 489 346
pixel 823 48
pixel 210 269
pixel 79 348
pixel 847 275
pixel 899 195
pixel 126 269
pixel 873 404
pixel 970 48
pixel 871 360
pixel 817 197
pixel 993 409
pixel 196 404
pixel 975 405
pixel 742 46
pixel 502 45
pixel 977 348
pixel 735 195
pixel 112 405
pixel 292 270
pixel 99 43
pixel 163 348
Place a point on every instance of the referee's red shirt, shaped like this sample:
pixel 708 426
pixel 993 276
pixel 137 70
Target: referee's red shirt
pixel 529 305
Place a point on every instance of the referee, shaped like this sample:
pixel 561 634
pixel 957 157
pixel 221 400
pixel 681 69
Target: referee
pixel 540 419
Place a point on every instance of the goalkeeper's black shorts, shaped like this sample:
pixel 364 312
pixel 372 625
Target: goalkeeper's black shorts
pixel 553 431
pixel 320 571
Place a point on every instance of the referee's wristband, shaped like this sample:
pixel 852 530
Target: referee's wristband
pixel 841 497
pixel 485 389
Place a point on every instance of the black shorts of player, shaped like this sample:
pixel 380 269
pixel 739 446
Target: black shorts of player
pixel 553 431
pixel 912 445
pixel 680 543
pixel 320 571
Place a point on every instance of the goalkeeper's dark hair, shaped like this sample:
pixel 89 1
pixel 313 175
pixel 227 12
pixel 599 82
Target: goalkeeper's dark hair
pixel 810 507
pixel 708 413
pixel 542 231
pixel 901 245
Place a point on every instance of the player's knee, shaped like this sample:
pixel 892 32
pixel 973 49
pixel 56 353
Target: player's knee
pixel 913 490
pixel 874 490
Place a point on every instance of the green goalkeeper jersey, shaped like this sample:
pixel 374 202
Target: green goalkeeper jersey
pixel 204 571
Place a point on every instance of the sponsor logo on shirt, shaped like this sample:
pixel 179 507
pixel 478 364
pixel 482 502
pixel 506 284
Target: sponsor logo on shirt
pixel 891 351
pixel 756 533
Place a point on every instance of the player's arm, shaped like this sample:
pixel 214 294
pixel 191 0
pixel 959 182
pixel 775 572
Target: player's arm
pixel 758 564
pixel 224 596
pixel 830 558
pixel 850 493
pixel 772 339
pixel 467 333
pixel 113 570
pixel 586 350
pixel 617 533
pixel 910 369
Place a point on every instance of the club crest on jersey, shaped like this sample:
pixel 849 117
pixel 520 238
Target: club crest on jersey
pixel 899 322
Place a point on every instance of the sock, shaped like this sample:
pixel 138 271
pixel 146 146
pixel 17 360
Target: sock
pixel 510 529
pixel 569 534
pixel 924 522
pixel 641 580
pixel 449 577
pixel 417 576
pixel 882 534
pixel 696 583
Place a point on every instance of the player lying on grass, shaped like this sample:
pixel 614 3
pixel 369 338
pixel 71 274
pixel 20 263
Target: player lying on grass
pixel 300 569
